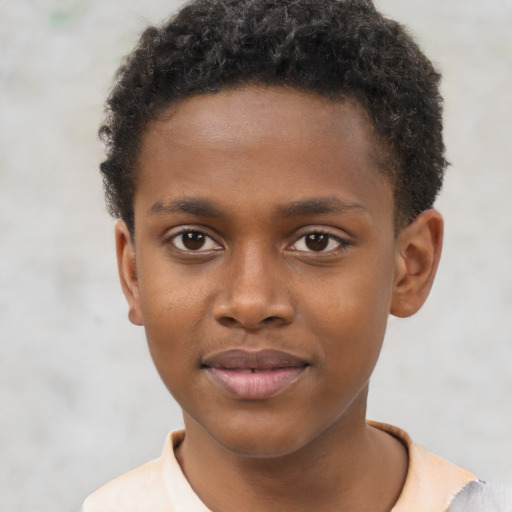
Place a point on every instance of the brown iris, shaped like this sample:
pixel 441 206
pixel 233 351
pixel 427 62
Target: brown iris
pixel 193 240
pixel 317 241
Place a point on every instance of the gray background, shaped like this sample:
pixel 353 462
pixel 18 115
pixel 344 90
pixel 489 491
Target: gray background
pixel 79 399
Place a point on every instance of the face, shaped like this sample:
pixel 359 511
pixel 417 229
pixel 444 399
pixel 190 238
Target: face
pixel 264 263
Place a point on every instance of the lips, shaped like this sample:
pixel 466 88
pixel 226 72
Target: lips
pixel 254 375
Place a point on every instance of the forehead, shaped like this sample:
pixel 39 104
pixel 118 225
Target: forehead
pixel 238 114
pixel 264 142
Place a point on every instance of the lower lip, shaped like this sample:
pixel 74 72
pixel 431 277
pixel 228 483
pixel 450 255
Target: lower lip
pixel 246 385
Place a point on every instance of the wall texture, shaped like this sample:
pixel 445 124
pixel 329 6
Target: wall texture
pixel 79 399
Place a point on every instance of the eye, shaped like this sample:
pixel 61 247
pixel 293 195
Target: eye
pixel 318 242
pixel 194 241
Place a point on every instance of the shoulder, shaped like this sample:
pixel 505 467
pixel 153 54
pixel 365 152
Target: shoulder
pixel 156 486
pixel 431 480
pixel 137 490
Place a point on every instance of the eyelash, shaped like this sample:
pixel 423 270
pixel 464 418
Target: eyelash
pixel 177 238
pixel 341 243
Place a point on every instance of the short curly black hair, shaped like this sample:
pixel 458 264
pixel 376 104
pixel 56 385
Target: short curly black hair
pixel 336 48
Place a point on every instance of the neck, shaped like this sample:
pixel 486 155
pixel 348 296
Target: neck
pixel 333 472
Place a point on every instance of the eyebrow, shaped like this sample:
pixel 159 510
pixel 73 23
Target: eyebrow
pixel 192 206
pixel 205 208
pixel 318 206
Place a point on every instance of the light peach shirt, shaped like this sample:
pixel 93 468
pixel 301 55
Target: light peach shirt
pixel 160 486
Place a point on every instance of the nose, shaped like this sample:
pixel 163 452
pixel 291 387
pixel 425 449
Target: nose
pixel 252 295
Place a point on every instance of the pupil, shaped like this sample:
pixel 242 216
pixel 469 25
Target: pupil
pixel 317 241
pixel 193 240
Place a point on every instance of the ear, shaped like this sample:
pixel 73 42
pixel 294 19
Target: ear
pixel 127 267
pixel 418 252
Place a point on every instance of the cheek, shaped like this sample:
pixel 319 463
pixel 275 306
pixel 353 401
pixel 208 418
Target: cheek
pixel 173 310
pixel 357 302
pixel 352 319
pixel 171 298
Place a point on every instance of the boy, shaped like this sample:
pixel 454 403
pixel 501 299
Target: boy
pixel 274 165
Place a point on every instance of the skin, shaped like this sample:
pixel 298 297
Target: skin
pixel 255 171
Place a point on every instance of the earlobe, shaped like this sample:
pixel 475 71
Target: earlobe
pixel 127 268
pixel 418 252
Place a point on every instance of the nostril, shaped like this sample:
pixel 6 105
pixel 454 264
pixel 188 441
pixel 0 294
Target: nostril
pixel 228 321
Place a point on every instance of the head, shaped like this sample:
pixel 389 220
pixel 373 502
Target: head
pixel 338 49
pixel 274 164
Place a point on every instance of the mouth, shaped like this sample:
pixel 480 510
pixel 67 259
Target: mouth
pixel 254 375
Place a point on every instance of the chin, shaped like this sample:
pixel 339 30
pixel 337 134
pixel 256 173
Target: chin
pixel 261 439
pixel 258 448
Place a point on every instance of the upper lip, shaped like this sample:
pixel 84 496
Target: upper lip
pixel 241 359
